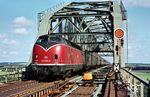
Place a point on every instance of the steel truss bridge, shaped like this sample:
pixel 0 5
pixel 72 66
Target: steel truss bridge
pixel 92 25
pixel 88 24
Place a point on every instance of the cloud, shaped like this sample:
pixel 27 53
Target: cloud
pixel 21 25
pixel 13 53
pixel 21 31
pixel 97 0
pixel 137 3
pixel 8 54
pixel 9 41
pixel 6 40
pixel 3 52
pixel 138 50
pixel 131 3
pixel 2 36
pixel 13 42
pixel 21 22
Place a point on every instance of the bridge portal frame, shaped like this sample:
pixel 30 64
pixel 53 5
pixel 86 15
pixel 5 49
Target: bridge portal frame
pixel 88 24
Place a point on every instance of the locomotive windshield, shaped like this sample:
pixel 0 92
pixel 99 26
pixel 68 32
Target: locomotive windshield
pixel 49 39
pixel 54 39
pixel 42 39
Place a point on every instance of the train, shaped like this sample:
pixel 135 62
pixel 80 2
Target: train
pixel 54 56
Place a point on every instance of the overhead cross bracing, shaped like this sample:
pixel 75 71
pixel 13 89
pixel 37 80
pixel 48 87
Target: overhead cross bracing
pixel 88 24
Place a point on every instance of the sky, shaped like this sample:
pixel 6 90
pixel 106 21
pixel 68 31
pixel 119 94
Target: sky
pixel 18 28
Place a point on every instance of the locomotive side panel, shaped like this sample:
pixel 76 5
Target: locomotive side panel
pixel 54 55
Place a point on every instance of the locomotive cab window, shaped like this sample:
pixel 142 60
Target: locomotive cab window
pixel 42 39
pixel 54 39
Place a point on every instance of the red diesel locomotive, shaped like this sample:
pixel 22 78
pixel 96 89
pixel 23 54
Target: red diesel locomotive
pixel 56 56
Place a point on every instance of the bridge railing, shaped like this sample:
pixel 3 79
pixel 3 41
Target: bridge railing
pixel 137 86
pixel 11 73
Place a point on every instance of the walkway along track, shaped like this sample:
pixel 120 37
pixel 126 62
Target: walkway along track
pixel 92 88
pixel 114 88
pixel 108 87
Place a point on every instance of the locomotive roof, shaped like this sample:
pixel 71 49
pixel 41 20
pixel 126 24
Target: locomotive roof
pixel 59 39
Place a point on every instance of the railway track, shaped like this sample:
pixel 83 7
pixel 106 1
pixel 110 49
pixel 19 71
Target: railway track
pixel 70 87
pixel 35 88
pixel 11 88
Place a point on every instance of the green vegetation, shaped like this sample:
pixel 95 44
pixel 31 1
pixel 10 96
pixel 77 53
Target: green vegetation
pixel 11 73
pixel 145 76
